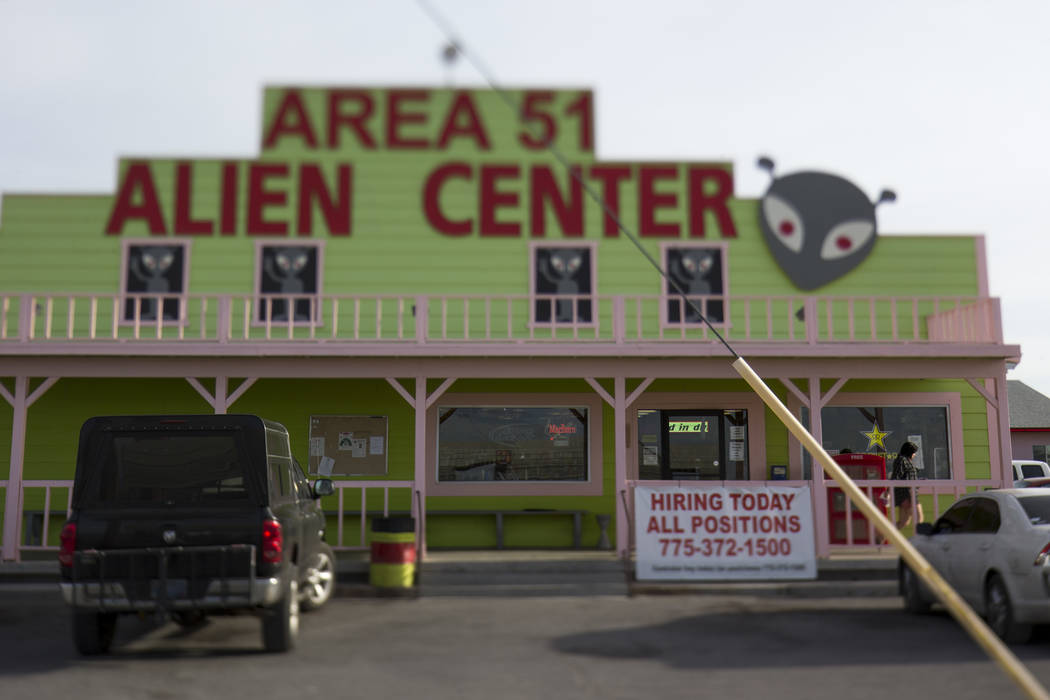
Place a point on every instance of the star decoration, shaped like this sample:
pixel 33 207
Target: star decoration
pixel 876 438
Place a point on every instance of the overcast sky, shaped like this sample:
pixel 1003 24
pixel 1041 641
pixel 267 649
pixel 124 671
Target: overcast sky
pixel 946 102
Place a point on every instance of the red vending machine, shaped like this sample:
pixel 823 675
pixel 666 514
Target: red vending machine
pixel 857 466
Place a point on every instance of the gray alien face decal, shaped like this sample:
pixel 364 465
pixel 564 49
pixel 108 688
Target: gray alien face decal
pixel 817 225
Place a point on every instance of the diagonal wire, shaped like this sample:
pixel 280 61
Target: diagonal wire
pixel 489 78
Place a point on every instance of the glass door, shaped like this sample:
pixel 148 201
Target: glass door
pixel 693 445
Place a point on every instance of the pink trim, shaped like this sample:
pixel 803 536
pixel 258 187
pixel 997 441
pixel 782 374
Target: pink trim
pixel 595 469
pixel 314 297
pixel 592 295
pixel 957 326
pixel 756 423
pixel 125 295
pixel 723 296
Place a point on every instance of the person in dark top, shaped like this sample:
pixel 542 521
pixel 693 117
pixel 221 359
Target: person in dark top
pixel 903 469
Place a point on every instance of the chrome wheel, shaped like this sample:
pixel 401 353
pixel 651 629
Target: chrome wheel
pixel 318 583
pixel 1000 613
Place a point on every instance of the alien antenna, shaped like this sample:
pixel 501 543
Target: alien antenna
pixel 886 196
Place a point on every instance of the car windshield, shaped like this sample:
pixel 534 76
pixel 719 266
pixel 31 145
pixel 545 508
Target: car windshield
pixel 1037 508
pixel 183 468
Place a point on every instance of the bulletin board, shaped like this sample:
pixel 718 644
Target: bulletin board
pixel 348 445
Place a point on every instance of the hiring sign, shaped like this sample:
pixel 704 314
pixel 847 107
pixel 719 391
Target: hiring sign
pixel 763 533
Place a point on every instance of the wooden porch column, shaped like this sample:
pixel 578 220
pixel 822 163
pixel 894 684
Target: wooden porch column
pixel 20 401
pixel 623 535
pixel 820 490
pixel 420 403
pixel 1005 446
pixel 420 406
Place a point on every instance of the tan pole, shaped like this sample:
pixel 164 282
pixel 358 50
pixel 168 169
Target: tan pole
pixel 959 609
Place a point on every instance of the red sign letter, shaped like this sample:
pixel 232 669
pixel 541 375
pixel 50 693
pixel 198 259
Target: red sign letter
pixel 717 201
pixel 259 197
pixel 463 105
pixel 491 198
pixel 649 201
pixel 138 177
pixel 312 187
pixel 545 188
pixel 432 193
pixel 229 199
pixel 291 118
pixel 184 223
pixel 355 121
pixel 395 118
pixel 611 177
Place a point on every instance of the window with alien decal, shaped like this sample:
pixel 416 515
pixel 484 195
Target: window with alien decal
pixel 699 272
pixel 288 280
pixel 154 280
pixel 562 282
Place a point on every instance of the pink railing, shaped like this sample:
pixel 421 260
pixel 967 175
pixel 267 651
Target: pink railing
pixel 226 318
pixel 362 510
pixel 942 493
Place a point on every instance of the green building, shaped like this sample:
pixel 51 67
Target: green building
pixel 450 325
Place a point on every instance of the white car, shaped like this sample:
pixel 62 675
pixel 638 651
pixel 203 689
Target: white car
pixel 993 548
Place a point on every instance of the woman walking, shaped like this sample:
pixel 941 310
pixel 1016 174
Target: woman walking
pixel 903 469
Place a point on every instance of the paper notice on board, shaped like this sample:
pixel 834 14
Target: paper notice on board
pixel 736 451
pixel 317 447
pixel 358 448
pixel 736 432
pixel 346 441
pixel 325 468
pixel 375 445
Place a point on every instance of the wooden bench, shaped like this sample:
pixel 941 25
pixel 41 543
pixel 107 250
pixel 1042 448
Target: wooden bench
pixel 499 514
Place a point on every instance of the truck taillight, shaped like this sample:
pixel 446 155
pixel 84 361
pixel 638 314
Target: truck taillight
pixel 272 542
pixel 67 543
pixel 1043 555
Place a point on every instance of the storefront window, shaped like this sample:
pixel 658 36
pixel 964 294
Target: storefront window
pixel 512 443
pixel 882 429
pixel 685 444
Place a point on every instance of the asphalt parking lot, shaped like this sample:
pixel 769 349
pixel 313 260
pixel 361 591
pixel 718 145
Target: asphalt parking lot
pixel 519 647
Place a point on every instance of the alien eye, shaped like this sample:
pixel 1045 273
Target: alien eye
pixel 148 261
pixel 558 264
pixel 574 263
pixel 846 238
pixel 689 264
pixel 784 222
pixel 283 261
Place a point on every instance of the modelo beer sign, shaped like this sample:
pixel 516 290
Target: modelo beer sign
pixel 724 533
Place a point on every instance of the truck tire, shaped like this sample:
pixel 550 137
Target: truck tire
pixel 318 582
pixel 93 631
pixel 280 624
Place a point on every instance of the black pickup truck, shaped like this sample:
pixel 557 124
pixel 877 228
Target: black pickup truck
pixel 189 516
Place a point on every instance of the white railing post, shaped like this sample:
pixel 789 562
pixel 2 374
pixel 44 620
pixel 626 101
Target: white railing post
pixel 223 321
pixel 619 319
pixel 422 319
pixel 812 322
pixel 26 318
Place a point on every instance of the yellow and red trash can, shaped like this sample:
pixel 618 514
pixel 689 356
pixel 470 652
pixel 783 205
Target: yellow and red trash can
pixel 393 560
